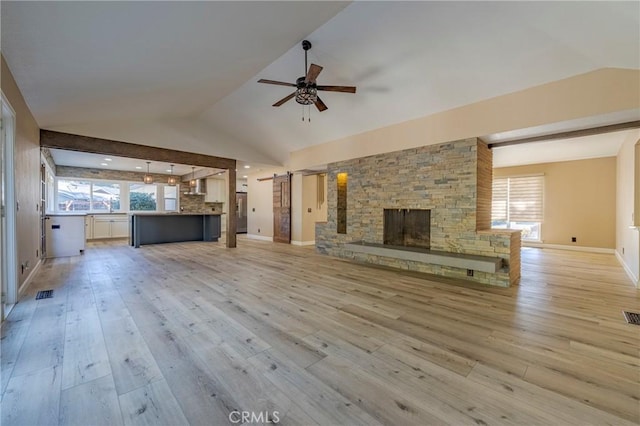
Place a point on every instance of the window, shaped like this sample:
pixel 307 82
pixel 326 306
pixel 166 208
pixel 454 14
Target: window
pixel 105 196
pixel 51 193
pixel 74 195
pixel 518 204
pixel 95 196
pixel 170 198
pixel 142 197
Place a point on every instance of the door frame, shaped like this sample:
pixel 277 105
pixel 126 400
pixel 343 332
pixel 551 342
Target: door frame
pixel 8 255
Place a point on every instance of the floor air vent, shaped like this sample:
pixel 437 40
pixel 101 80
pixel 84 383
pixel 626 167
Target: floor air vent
pixel 44 294
pixel 632 317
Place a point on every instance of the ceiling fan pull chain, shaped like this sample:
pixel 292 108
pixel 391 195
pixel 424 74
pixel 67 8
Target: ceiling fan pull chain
pixel 309 107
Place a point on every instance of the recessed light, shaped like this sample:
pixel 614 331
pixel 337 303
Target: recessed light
pixel 247 166
pixel 245 177
pixel 103 164
pixel 138 167
pixel 108 159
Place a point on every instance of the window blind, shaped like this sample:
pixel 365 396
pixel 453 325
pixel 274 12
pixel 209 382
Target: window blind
pixel 518 199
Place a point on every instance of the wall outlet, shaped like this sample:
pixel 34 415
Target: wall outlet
pixel 309 210
pixel 469 272
pixel 574 239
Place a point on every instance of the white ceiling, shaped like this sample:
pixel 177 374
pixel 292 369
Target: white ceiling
pixel 183 75
pixel 595 146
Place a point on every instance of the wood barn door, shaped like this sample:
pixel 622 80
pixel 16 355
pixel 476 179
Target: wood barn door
pixel 282 208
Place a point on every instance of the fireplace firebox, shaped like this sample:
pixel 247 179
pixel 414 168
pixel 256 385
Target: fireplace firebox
pixel 407 227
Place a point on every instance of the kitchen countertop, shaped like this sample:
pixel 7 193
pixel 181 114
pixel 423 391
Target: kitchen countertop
pixel 173 214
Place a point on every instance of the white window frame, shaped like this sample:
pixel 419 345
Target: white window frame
pixel 124 195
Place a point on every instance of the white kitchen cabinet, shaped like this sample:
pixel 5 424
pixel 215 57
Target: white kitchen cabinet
pixel 120 227
pixel 88 227
pixel 216 191
pixel 101 227
pixel 65 234
pixel 110 226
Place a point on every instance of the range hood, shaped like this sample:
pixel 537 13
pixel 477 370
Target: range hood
pixel 199 189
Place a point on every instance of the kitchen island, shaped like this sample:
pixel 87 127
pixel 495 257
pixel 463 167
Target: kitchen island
pixel 159 228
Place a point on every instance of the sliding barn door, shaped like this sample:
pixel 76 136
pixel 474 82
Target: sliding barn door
pixel 282 208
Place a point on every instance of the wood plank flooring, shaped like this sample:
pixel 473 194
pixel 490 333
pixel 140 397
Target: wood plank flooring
pixel 192 333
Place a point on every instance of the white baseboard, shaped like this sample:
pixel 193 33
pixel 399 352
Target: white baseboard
pixel 303 243
pixel 573 248
pixel 627 269
pixel 25 285
pixel 259 237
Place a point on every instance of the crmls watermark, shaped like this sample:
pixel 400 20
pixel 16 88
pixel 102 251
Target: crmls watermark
pixel 264 417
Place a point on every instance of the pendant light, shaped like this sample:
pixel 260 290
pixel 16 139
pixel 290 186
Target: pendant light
pixel 192 182
pixel 172 179
pixel 148 178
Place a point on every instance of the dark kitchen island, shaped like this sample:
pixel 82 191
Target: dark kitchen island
pixel 159 228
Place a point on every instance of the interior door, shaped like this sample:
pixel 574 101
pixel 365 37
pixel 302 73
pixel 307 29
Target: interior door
pixel 282 208
pixel 43 209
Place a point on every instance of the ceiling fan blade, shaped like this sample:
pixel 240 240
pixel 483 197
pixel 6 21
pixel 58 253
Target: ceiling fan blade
pixel 344 89
pixel 320 105
pixel 285 99
pixel 312 74
pixel 279 83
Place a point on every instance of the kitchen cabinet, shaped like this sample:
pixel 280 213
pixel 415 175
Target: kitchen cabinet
pixel 88 227
pixel 64 234
pixel 216 191
pixel 110 226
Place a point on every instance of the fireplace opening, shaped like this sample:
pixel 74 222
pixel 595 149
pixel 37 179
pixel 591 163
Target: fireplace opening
pixel 407 227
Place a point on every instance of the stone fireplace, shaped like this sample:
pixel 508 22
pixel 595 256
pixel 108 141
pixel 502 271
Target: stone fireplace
pixel 407 227
pixel 425 209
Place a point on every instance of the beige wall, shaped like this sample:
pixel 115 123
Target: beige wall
pixel 579 200
pixel 27 176
pixel 595 93
pixel 627 238
pixel 310 201
pixel 260 203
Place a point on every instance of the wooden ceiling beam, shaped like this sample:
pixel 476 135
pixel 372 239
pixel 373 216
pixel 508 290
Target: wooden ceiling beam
pixel 569 134
pixel 58 140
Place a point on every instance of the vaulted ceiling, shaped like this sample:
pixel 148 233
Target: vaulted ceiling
pixel 183 74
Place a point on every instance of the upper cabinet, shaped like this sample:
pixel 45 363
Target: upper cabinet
pixel 216 191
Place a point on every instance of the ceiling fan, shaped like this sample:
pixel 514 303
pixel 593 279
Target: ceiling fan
pixel 306 88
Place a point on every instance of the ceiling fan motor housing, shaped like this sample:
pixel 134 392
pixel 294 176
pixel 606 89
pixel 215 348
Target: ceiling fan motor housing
pixel 300 83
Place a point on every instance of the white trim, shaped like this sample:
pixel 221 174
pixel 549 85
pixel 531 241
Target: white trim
pixel 563 247
pixel 627 269
pixel 259 237
pixel 303 243
pixel 11 248
pixel 25 285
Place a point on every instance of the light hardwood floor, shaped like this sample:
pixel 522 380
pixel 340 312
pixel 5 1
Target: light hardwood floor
pixel 189 333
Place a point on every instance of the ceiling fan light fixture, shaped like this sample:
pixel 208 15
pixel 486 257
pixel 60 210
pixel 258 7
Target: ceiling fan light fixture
pixel 306 95
pixel 306 92
pixel 147 177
